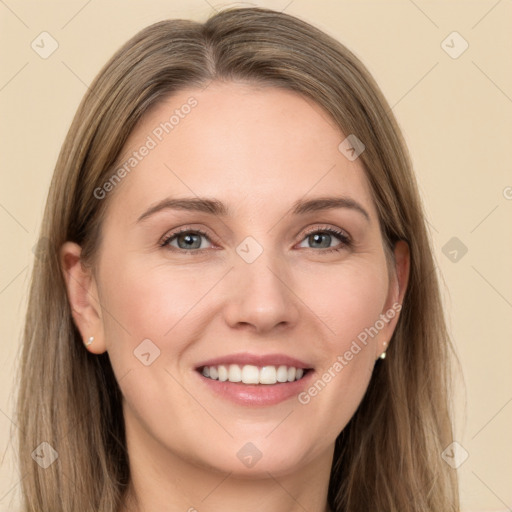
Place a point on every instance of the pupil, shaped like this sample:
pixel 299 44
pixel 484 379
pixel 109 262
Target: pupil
pixel 189 240
pixel 317 238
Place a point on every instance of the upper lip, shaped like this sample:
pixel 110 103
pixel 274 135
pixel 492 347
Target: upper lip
pixel 256 360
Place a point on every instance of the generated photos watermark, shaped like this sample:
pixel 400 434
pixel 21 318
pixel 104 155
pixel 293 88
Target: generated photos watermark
pixel 152 140
pixel 343 360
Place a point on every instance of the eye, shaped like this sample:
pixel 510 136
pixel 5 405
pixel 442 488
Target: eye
pixel 185 239
pixel 191 240
pixel 322 238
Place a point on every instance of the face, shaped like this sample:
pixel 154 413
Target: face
pixel 241 244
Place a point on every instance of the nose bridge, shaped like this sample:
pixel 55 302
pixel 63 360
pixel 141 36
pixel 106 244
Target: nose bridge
pixel 261 295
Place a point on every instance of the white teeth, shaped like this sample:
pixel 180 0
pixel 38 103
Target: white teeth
pixel 235 373
pixel 268 375
pixel 282 374
pixel 223 373
pixel 250 374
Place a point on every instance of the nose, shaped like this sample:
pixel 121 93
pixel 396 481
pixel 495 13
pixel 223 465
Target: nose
pixel 261 295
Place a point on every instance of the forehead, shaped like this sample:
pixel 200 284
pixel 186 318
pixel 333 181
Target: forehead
pixel 253 146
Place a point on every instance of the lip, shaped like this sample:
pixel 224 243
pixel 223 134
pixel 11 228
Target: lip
pixel 257 394
pixel 256 360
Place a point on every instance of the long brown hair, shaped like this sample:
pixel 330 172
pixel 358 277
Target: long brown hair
pixel 388 458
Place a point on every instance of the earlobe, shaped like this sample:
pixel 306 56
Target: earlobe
pixel 83 298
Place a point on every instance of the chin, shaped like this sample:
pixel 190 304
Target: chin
pixel 258 457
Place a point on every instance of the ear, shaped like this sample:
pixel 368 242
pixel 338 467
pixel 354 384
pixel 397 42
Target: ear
pixel 83 297
pixel 397 285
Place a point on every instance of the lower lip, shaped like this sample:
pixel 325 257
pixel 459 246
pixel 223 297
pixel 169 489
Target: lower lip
pixel 257 394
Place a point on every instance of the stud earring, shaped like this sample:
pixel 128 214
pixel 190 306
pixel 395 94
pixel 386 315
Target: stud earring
pixel 89 341
pixel 383 355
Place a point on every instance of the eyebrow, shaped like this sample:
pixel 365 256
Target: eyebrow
pixel 216 207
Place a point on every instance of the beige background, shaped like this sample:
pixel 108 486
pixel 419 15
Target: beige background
pixel 455 113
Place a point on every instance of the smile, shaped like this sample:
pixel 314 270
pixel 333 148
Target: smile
pixel 251 374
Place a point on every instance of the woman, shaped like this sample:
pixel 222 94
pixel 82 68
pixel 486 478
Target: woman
pixel 238 307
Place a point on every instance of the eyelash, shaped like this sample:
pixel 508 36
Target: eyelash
pixel 346 242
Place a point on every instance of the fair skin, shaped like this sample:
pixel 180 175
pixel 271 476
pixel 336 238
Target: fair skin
pixel 258 151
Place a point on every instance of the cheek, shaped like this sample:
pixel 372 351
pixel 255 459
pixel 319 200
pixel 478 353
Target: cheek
pixel 148 302
pixel 351 305
pixel 351 300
